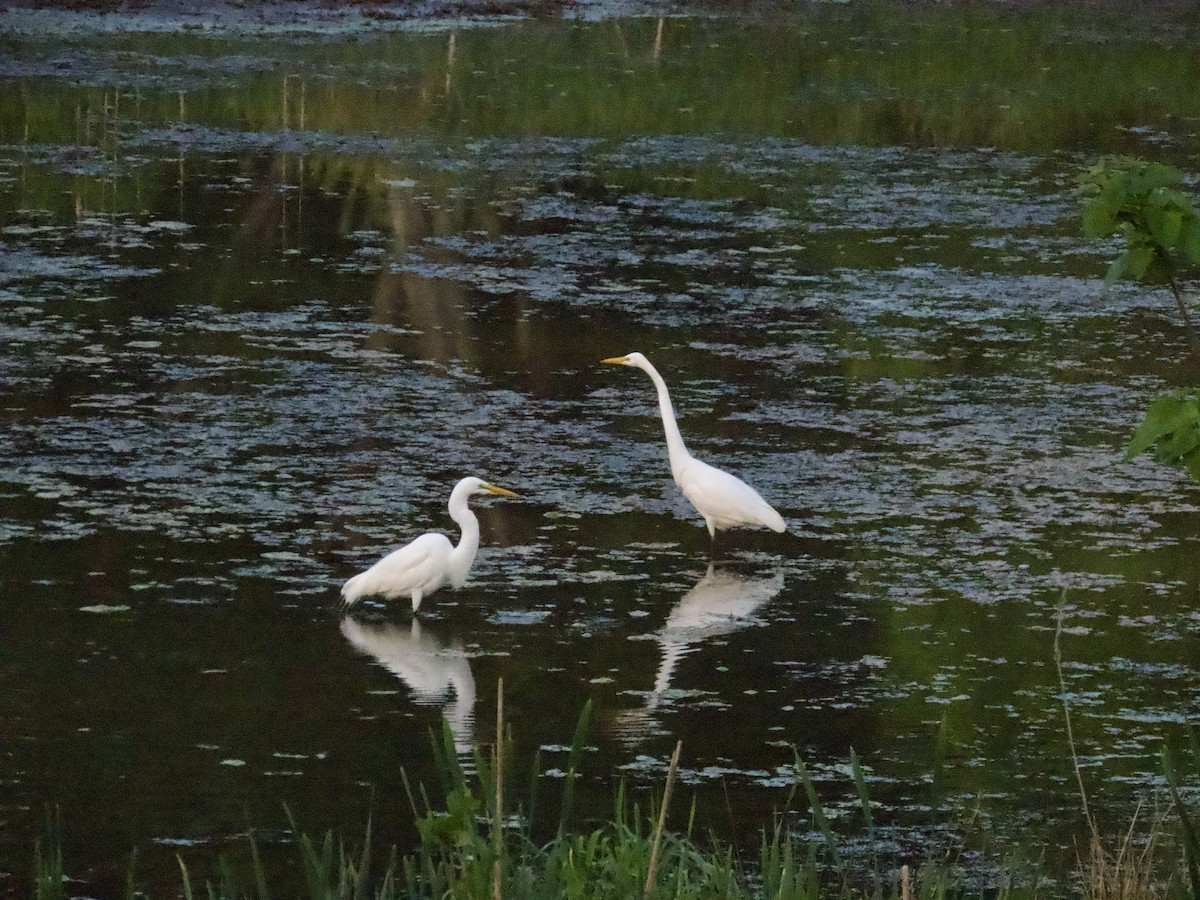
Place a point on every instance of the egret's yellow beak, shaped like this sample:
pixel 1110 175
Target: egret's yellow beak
pixel 503 492
pixel 616 360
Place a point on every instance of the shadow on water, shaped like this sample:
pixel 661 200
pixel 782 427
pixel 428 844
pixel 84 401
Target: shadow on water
pixel 255 325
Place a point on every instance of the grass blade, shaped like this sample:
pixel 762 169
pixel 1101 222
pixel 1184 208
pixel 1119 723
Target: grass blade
pixel 260 875
pixel 672 770
pixel 187 882
pixel 818 811
pixel 574 760
pixel 864 797
pixel 1191 844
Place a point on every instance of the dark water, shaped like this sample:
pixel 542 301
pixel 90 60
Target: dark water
pixel 261 308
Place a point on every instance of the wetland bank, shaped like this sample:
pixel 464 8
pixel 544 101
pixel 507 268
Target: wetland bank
pixel 267 292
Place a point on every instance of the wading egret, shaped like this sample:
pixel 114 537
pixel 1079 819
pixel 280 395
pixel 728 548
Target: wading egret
pixel 430 561
pixel 724 500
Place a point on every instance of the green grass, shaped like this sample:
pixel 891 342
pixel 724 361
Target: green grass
pixel 477 843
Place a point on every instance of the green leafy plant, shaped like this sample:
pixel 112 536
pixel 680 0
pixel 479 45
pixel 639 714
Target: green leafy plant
pixel 1142 202
pixel 1171 430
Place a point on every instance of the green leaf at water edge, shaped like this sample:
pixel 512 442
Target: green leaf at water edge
pixel 1163 417
pixel 1189 240
pixel 1117 268
pixel 1139 260
pixel 1171 430
pixel 1166 223
pixel 1180 444
pixel 1099 217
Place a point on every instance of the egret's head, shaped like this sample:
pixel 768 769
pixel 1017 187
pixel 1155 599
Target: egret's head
pixel 472 485
pixel 485 488
pixel 630 359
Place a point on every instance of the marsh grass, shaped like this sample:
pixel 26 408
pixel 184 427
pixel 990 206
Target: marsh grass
pixel 1141 863
pixel 478 843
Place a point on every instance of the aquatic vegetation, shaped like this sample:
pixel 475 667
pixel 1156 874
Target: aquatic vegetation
pixel 477 843
pixel 1142 202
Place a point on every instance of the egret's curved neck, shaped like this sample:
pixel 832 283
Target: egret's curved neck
pixel 676 450
pixel 464 553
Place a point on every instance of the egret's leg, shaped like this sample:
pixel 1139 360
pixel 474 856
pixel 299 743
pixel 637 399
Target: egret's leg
pixel 416 598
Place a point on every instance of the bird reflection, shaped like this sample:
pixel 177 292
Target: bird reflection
pixel 429 666
pixel 721 603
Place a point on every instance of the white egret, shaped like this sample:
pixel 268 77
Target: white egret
pixel 724 500
pixel 430 561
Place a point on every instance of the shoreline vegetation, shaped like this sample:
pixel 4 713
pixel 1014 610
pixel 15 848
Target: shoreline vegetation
pixel 479 843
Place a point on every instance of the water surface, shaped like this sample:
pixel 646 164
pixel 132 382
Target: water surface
pixel 264 302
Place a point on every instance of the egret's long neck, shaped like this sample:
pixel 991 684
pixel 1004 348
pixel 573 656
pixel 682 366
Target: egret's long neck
pixel 676 450
pixel 464 553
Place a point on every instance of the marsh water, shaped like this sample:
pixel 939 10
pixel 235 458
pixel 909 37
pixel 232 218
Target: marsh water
pixel 265 297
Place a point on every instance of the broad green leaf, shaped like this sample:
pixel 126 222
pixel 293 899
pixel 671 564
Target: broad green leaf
pixel 1141 202
pixel 1189 241
pixel 1117 268
pixel 1182 441
pixel 1099 218
pixel 1172 430
pixel 1139 261
pixel 1165 224
pixel 1163 416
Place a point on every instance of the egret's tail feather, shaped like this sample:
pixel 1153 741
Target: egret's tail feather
pixel 352 590
pixel 773 520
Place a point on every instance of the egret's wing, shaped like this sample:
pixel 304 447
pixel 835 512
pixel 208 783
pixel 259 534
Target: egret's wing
pixel 725 498
pixel 419 564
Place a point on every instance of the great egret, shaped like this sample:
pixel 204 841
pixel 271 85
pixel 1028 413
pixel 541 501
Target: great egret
pixel 430 561
pixel 724 500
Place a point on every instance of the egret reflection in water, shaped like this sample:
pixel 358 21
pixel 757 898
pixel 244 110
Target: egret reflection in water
pixel 432 669
pixel 720 603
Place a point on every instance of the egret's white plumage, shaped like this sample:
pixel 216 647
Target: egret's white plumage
pixel 724 500
pixel 430 561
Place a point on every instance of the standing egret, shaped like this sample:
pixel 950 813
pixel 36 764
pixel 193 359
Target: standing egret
pixel 430 561
pixel 724 500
